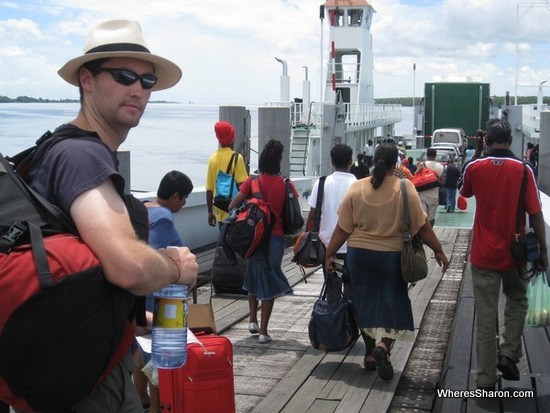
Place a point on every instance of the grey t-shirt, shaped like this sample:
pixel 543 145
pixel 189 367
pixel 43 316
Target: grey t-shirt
pixel 73 166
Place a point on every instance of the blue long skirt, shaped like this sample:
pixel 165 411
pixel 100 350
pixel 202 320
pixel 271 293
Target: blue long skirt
pixel 264 277
pixel 379 293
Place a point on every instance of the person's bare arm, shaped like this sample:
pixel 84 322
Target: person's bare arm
pixel 104 225
pixel 339 236
pixel 427 234
pixel 238 200
pixel 210 205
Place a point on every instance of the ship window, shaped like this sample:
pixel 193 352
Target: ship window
pixel 350 68
pixel 337 17
pixel 355 17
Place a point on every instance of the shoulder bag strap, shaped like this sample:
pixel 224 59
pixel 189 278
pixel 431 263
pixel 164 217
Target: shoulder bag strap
pixel 521 201
pixel 233 159
pixel 255 187
pixel 406 233
pixel 319 204
pixel 230 164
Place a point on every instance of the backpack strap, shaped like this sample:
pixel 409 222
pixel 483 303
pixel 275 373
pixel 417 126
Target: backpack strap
pixel 255 187
pixel 50 214
pixel 319 204
pixel 521 201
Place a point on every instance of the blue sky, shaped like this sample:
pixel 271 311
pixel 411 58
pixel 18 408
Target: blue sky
pixel 227 48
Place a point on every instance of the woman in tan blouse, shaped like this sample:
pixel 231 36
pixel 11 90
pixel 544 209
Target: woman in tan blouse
pixel 371 220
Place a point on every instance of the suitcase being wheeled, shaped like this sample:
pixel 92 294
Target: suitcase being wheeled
pixel 205 383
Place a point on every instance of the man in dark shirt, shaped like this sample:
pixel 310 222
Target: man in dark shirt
pixel 115 76
pixel 452 176
pixel 359 168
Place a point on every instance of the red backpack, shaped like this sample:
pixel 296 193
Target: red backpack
pixel 62 325
pixel 248 227
pixel 425 179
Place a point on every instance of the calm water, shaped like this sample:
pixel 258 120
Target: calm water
pixel 170 136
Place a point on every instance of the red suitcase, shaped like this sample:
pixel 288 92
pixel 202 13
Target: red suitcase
pixel 205 383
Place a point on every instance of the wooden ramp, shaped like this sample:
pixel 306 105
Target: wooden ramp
pixel 287 375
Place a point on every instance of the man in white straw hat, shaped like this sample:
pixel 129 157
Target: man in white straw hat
pixel 115 75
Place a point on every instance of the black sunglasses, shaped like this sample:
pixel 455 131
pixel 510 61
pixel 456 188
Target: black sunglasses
pixel 128 77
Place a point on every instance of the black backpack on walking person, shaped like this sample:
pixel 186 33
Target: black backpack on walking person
pixel 61 323
pixel 247 228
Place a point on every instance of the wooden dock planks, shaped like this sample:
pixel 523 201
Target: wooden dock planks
pixel 287 375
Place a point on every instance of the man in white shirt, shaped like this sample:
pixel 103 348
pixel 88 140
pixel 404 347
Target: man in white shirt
pixel 430 197
pixel 369 153
pixel 336 185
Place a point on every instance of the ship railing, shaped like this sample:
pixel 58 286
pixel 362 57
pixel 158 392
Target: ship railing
pixel 357 114
pixel 300 113
pixel 362 114
pixel 531 121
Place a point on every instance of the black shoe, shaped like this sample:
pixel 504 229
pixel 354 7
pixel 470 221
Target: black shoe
pixel 508 368
pixel 369 364
pixel 383 364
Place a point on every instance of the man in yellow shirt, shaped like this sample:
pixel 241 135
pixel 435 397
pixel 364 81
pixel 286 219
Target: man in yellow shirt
pixel 218 162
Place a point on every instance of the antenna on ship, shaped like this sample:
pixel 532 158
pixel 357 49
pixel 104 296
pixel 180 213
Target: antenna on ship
pixel 321 79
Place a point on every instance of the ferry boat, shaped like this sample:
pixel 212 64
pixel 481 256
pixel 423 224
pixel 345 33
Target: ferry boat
pixel 346 114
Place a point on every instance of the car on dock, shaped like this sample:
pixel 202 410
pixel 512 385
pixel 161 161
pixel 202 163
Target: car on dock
pixel 450 147
pixel 442 156
pixel 451 135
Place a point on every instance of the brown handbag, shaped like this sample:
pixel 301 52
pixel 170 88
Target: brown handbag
pixel 413 257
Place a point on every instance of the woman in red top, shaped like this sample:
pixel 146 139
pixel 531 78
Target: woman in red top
pixel 264 279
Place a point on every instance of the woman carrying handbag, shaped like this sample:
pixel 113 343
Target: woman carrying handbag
pixel 370 219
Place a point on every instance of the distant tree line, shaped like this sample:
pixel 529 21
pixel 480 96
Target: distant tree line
pixel 28 99
pixel 497 100
pixel 405 101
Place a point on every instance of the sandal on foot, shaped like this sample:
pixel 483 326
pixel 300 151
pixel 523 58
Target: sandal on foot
pixel 369 364
pixel 385 369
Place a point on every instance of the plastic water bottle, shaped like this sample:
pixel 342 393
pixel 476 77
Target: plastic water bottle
pixel 169 335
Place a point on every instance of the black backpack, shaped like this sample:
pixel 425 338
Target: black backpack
pixel 61 322
pixel 247 228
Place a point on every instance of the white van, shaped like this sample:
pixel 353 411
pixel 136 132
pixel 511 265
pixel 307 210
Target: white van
pixel 451 135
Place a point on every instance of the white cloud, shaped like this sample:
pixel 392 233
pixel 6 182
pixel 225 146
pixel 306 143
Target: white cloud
pixel 227 48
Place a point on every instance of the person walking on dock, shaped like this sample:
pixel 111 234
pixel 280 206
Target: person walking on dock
pixel 495 180
pixel 369 153
pixel 218 163
pixel 335 187
pixel 370 219
pixel 359 168
pixel 264 278
pixel 430 197
pixel 452 176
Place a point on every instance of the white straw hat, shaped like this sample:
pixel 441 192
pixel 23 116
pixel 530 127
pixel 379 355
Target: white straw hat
pixel 121 38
